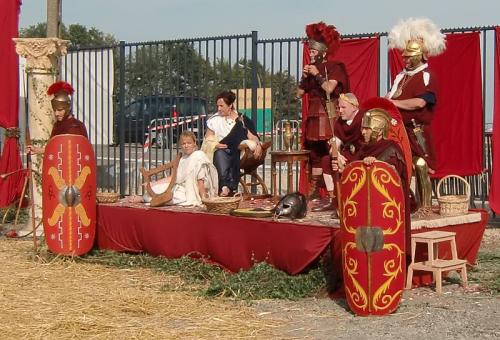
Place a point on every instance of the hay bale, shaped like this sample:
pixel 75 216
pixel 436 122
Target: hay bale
pixel 45 297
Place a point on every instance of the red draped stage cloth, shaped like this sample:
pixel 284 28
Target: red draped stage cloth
pixel 10 160
pixel 458 120
pixel 494 195
pixel 237 243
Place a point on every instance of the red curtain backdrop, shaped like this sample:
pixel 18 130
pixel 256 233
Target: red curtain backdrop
pixel 361 58
pixel 11 186
pixel 458 121
pixel 494 196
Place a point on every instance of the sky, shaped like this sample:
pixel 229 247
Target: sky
pixel 146 20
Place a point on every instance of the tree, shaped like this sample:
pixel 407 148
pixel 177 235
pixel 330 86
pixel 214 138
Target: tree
pixel 168 68
pixel 79 35
pixel 285 106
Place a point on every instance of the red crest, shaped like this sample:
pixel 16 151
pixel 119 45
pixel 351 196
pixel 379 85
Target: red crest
pixel 373 240
pixel 68 191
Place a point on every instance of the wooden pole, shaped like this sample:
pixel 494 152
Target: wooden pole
pixel 54 18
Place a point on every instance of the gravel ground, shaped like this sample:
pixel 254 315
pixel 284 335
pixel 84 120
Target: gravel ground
pixel 458 313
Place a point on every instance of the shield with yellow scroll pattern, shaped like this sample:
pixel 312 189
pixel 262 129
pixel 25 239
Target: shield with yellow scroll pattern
pixel 68 191
pixel 373 240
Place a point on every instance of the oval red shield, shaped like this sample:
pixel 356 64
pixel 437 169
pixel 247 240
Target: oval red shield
pixel 68 191
pixel 373 240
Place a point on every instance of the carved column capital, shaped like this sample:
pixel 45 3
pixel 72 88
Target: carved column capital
pixel 41 53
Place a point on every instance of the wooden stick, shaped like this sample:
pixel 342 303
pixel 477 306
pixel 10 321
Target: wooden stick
pixel 32 200
pixel 334 152
pixel 29 177
pixel 23 192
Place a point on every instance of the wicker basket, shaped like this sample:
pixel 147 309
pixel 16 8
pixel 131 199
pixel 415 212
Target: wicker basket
pixel 453 205
pixel 222 205
pixel 107 197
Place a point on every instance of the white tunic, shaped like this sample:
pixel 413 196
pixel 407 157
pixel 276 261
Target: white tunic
pixel 190 169
pixel 220 125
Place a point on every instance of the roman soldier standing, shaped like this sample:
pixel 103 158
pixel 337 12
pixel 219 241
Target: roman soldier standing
pixel 323 79
pixel 414 93
pixel 65 122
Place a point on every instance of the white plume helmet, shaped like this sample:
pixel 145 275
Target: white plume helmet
pixel 418 29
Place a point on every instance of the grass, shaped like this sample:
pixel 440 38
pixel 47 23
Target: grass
pixel 262 281
pixel 11 215
pixel 487 271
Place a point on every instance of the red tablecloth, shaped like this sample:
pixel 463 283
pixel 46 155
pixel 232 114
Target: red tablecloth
pixel 233 242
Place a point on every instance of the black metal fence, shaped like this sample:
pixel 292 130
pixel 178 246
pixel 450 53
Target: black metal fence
pixel 137 94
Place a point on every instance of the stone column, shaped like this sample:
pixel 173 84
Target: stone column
pixel 41 67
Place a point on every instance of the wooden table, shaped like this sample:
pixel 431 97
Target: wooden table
pixel 289 157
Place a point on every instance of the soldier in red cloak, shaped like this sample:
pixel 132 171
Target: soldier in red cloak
pixel 375 129
pixel 65 123
pixel 322 79
pixel 414 93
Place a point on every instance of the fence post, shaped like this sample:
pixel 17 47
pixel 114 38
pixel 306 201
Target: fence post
pixel 121 118
pixel 255 83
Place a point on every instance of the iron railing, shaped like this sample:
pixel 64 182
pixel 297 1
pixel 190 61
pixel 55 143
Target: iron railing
pixel 116 86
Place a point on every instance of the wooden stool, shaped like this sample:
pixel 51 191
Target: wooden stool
pixel 434 264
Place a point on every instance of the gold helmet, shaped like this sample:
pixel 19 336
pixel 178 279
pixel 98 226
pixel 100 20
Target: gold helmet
pixel 62 92
pixel 418 39
pixel 378 121
pixel 413 48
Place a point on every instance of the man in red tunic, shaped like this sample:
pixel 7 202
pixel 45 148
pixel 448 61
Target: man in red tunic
pixel 414 94
pixel 348 127
pixel 323 80
pixel 65 123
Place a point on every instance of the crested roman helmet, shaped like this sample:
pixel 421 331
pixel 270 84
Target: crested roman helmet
pixel 323 38
pixel 378 120
pixel 418 39
pixel 293 206
pixel 396 129
pixel 62 92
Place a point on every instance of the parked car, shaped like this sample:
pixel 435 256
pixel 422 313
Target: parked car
pixel 149 114
pixel 164 132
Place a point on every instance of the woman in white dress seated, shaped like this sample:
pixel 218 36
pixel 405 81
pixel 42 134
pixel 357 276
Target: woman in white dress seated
pixel 226 129
pixel 196 175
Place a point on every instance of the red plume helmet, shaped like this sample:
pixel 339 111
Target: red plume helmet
pixel 62 92
pixel 326 35
pixel 60 86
